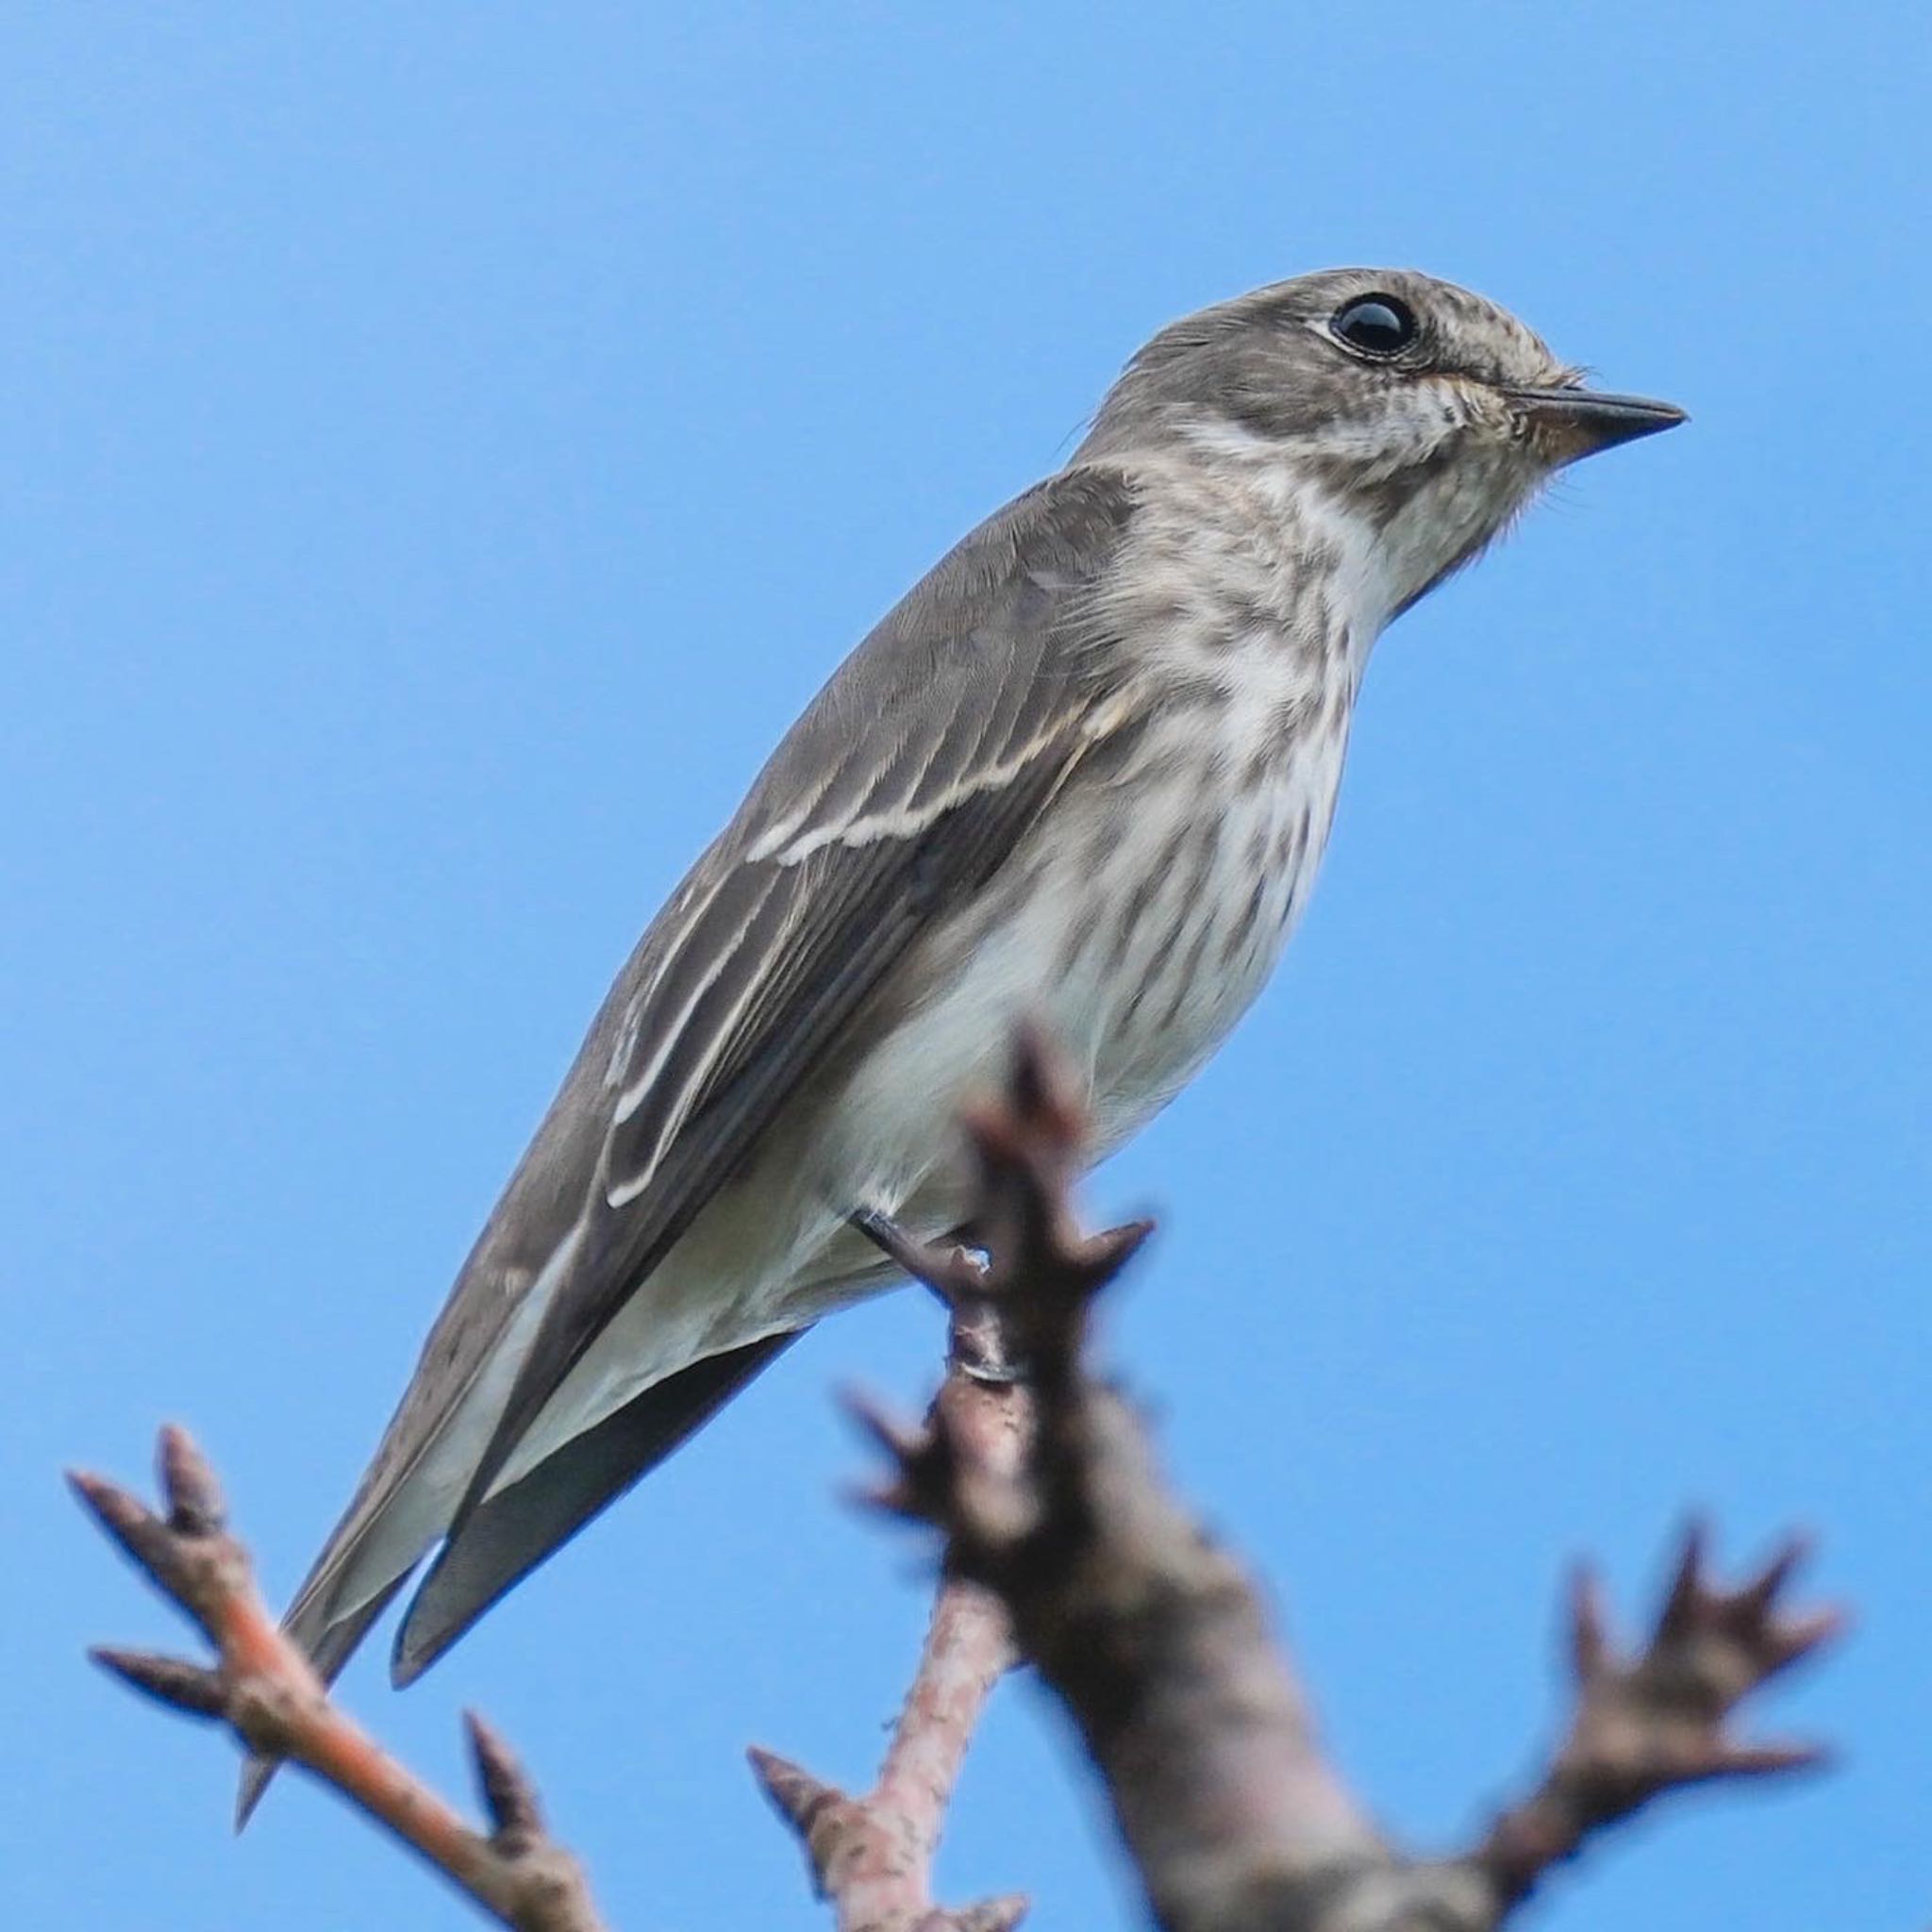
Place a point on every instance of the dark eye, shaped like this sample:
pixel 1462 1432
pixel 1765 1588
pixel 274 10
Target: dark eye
pixel 1376 324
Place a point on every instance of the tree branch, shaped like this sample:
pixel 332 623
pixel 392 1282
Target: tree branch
pixel 263 1689
pixel 1157 1645
pixel 870 1857
pixel 1656 1722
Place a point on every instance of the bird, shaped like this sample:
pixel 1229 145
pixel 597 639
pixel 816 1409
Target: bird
pixel 1081 776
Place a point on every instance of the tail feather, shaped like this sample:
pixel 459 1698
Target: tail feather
pixel 509 1535
pixel 519 1527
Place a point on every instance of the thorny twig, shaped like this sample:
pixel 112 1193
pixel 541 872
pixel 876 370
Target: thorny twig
pixel 1658 1721
pixel 1157 1643
pixel 870 1857
pixel 262 1687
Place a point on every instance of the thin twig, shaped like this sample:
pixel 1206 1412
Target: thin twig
pixel 263 1689
pixel 871 1858
pixel 1659 1720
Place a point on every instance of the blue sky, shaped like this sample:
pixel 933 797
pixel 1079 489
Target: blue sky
pixel 444 445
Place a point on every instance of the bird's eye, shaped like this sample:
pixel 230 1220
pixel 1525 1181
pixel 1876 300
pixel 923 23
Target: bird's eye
pixel 1376 324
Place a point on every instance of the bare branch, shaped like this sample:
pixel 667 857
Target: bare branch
pixel 870 1857
pixel 263 1689
pixel 1157 1645
pixel 1653 1723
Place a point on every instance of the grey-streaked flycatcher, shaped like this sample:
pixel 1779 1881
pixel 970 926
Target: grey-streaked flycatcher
pixel 1082 774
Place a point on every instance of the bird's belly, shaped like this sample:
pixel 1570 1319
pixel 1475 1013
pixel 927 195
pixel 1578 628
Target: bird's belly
pixel 1136 942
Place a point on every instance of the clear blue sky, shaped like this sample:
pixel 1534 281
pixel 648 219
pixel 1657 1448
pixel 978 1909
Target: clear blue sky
pixel 441 447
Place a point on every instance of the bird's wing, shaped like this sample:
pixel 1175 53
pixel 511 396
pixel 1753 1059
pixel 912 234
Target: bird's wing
pixel 900 790
pixel 897 795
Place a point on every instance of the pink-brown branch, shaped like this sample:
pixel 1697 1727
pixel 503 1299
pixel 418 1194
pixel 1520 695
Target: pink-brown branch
pixel 870 1857
pixel 263 1689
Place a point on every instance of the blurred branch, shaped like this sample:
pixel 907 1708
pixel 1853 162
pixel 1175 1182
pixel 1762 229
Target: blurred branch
pixel 263 1689
pixel 1657 1722
pixel 1157 1643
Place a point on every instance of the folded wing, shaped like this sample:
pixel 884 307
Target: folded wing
pixel 898 793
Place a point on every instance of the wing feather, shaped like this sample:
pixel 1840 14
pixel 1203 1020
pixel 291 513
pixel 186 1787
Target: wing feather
pixel 908 778
pixel 942 766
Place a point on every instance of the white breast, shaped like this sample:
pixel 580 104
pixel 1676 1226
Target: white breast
pixel 1142 918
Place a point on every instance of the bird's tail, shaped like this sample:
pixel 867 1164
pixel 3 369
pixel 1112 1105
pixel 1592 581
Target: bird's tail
pixel 528 1521
pixel 514 1530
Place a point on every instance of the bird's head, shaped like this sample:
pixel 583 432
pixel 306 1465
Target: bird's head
pixel 1421 415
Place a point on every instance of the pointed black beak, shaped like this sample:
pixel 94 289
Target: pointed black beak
pixel 1575 422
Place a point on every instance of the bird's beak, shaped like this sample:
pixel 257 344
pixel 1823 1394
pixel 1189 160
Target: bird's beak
pixel 1574 422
